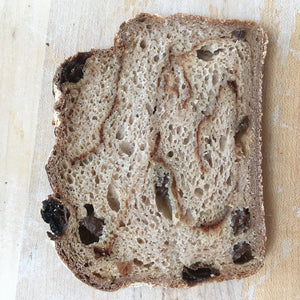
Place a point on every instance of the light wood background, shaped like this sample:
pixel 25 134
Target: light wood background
pixel 29 266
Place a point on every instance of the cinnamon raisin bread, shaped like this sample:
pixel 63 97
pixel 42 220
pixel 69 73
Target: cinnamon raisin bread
pixel 156 172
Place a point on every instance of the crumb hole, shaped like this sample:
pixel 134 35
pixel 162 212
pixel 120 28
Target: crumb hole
pixel 198 192
pixel 70 179
pixel 223 140
pixel 228 181
pixel 185 141
pixel 113 198
pixel 143 44
pixel 221 169
pixel 170 153
pixel 120 134
pixel 145 200
pixel 207 157
pixel 137 262
pixel 127 148
pixel 140 241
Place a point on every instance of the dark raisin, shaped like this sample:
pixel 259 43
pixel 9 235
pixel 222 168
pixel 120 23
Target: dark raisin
pixel 90 229
pixel 89 209
pixel 240 221
pixel 198 272
pixel 101 252
pixel 72 70
pixel 240 34
pixel 55 214
pixel 242 253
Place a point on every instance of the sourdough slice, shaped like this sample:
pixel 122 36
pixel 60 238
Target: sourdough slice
pixel 156 172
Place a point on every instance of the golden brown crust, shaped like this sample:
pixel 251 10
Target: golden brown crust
pixel 120 44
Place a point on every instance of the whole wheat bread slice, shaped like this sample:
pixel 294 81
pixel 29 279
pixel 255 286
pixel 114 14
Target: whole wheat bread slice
pixel 156 172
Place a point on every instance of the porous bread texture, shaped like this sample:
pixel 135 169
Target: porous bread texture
pixel 162 137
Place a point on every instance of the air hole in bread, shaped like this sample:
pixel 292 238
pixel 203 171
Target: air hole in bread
pixel 98 276
pixel 205 55
pixel 156 58
pixel 142 147
pixel 70 179
pixel 113 198
pixel 143 44
pixel 97 181
pixel 223 140
pixel 154 110
pixel 215 78
pixel 186 140
pixel 239 34
pixel 64 165
pixel 145 200
pixel 149 108
pixel 162 197
pixel 179 130
pixel 228 181
pixel 206 186
pixel 221 169
pixel 127 148
pixel 137 262
pixel 170 154
pixel 198 192
pixel 240 132
pixel 140 241
pixel 180 192
pixel 131 119
pixel 207 157
pixel 120 134
pixel 207 140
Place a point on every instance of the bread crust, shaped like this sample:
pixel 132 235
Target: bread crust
pixel 62 243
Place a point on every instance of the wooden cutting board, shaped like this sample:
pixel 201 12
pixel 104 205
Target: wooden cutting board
pixel 35 37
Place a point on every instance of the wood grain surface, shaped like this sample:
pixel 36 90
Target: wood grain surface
pixel 38 35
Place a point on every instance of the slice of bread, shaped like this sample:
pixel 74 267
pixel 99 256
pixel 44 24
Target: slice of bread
pixel 156 172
